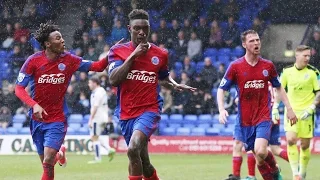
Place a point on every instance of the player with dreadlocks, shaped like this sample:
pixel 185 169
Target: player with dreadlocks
pixel 49 73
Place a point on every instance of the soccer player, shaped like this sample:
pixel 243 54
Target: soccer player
pixel 135 68
pixel 49 73
pixel 98 119
pixel 274 144
pixel 301 83
pixel 251 74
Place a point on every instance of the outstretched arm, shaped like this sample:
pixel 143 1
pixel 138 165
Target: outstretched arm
pixel 170 83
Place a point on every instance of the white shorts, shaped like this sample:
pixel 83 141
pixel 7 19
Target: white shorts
pixel 97 128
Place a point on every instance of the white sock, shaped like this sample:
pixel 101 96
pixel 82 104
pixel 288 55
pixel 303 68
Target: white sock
pixel 96 147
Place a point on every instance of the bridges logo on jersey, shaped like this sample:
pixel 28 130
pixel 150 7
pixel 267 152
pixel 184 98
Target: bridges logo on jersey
pixel 144 76
pixel 255 84
pixel 52 79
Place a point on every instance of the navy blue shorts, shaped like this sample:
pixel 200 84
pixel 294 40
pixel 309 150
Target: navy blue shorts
pixel 48 134
pixel 249 134
pixel 275 135
pixel 147 123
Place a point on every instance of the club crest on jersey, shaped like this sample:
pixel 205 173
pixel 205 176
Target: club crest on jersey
pixel 21 77
pixel 306 76
pixel 265 73
pixel 61 67
pixel 155 60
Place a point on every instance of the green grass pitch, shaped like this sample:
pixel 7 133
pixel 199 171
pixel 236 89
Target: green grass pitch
pixel 169 167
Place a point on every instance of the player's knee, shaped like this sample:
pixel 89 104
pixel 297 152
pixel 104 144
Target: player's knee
pixel 49 158
pixel 304 145
pixel 237 146
pixel 261 153
pixel 133 152
pixel 291 141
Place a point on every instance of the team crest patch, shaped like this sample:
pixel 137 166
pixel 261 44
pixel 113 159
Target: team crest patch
pixel 306 76
pixel 265 73
pixel 155 60
pixel 21 77
pixel 61 67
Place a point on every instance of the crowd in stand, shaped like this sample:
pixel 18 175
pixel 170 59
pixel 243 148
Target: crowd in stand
pixel 181 27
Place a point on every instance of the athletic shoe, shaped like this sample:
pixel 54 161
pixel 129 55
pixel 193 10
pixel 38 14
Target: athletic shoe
pixel 249 178
pixel 111 154
pixel 232 177
pixel 94 162
pixel 63 161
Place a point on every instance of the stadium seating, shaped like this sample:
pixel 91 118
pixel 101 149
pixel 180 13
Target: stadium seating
pixel 183 131
pixel 12 130
pixel 75 118
pixel 210 52
pixel 212 132
pixel 24 130
pixel 198 131
pixel 168 131
pixel 19 118
pixel 71 131
pixel 176 118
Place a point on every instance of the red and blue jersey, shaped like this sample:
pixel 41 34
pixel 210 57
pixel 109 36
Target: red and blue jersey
pixel 49 80
pixel 139 93
pixel 252 87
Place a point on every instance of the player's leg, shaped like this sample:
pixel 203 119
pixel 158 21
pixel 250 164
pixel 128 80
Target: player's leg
pixel 104 142
pixel 275 142
pixel 95 132
pixel 305 155
pixel 251 163
pixel 292 138
pixel 149 172
pixel 54 134
pixel 37 137
pixel 265 159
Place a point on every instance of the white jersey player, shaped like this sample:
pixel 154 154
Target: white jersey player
pixel 98 119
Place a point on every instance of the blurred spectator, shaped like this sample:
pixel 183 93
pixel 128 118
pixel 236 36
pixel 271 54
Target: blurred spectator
pixel 5 117
pixel 87 18
pixel 154 39
pixel 6 32
pixel 112 99
pixel 187 67
pixel 119 16
pixel 163 32
pixel 187 28
pixel 91 54
pixel 231 34
pixel 71 99
pixel 209 104
pixel 84 103
pixel 200 84
pixel 85 43
pixel 221 72
pixel 174 30
pixel 231 9
pixel 25 46
pixel 203 31
pixel 6 15
pixel 118 32
pixel 180 99
pixel 104 81
pixel 17 60
pixel 104 54
pixel 10 100
pixel 194 47
pixel 28 7
pixel 215 38
pixel 316 27
pixel 181 45
pixel 99 46
pixel 314 43
pixel 167 100
pixel 83 83
pixel 215 10
pixel 257 26
pixel 209 73
pixel 95 30
pixel 33 18
pixel 185 79
pixel 77 36
pixel 104 18
pixel 191 9
pixel 20 31
pixel 78 52
pixel 195 104
pixel 175 11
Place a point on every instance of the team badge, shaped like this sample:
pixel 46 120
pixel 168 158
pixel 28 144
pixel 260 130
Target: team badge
pixel 306 76
pixel 61 67
pixel 155 60
pixel 21 77
pixel 265 73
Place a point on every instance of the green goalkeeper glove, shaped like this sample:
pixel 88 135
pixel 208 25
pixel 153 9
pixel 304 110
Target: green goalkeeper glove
pixel 275 113
pixel 308 112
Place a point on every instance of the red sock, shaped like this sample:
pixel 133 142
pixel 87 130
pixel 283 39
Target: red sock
pixel 57 158
pixel 265 171
pixel 284 155
pixel 153 177
pixel 135 177
pixel 48 171
pixel 271 162
pixel 236 162
pixel 251 161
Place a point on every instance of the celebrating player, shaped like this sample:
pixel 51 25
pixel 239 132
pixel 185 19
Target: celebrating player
pixel 49 73
pixel 135 68
pixel 274 144
pixel 98 118
pixel 251 74
pixel 301 82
